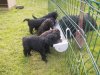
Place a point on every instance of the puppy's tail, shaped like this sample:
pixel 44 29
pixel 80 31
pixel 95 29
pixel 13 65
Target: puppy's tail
pixel 26 20
pixel 34 17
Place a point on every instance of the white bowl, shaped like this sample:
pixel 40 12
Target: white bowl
pixel 62 46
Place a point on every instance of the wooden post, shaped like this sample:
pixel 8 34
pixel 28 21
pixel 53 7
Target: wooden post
pixel 79 37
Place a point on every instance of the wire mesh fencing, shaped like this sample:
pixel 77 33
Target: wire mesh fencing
pixel 82 17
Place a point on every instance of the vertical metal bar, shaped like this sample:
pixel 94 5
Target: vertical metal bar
pixel 96 61
pixel 91 38
pixel 98 56
pixel 92 32
pixel 83 64
pixel 95 43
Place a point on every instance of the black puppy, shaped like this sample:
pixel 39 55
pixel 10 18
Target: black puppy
pixel 34 23
pixel 34 43
pixel 52 15
pixel 54 34
pixel 49 15
pixel 46 25
pixel 66 22
pixel 38 43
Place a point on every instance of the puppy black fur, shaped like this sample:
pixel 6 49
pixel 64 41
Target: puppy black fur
pixel 54 32
pixel 52 15
pixel 46 25
pixel 34 23
pixel 49 15
pixel 34 43
pixel 65 22
pixel 38 43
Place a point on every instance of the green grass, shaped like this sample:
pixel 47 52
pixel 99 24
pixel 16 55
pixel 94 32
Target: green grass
pixel 12 29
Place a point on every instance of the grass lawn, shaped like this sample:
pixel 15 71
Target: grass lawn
pixel 12 29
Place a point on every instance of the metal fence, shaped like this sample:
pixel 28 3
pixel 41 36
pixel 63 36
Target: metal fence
pixel 83 19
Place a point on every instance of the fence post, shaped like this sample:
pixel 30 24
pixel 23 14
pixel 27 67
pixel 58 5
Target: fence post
pixel 79 37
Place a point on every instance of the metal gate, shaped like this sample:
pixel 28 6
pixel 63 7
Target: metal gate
pixel 83 19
